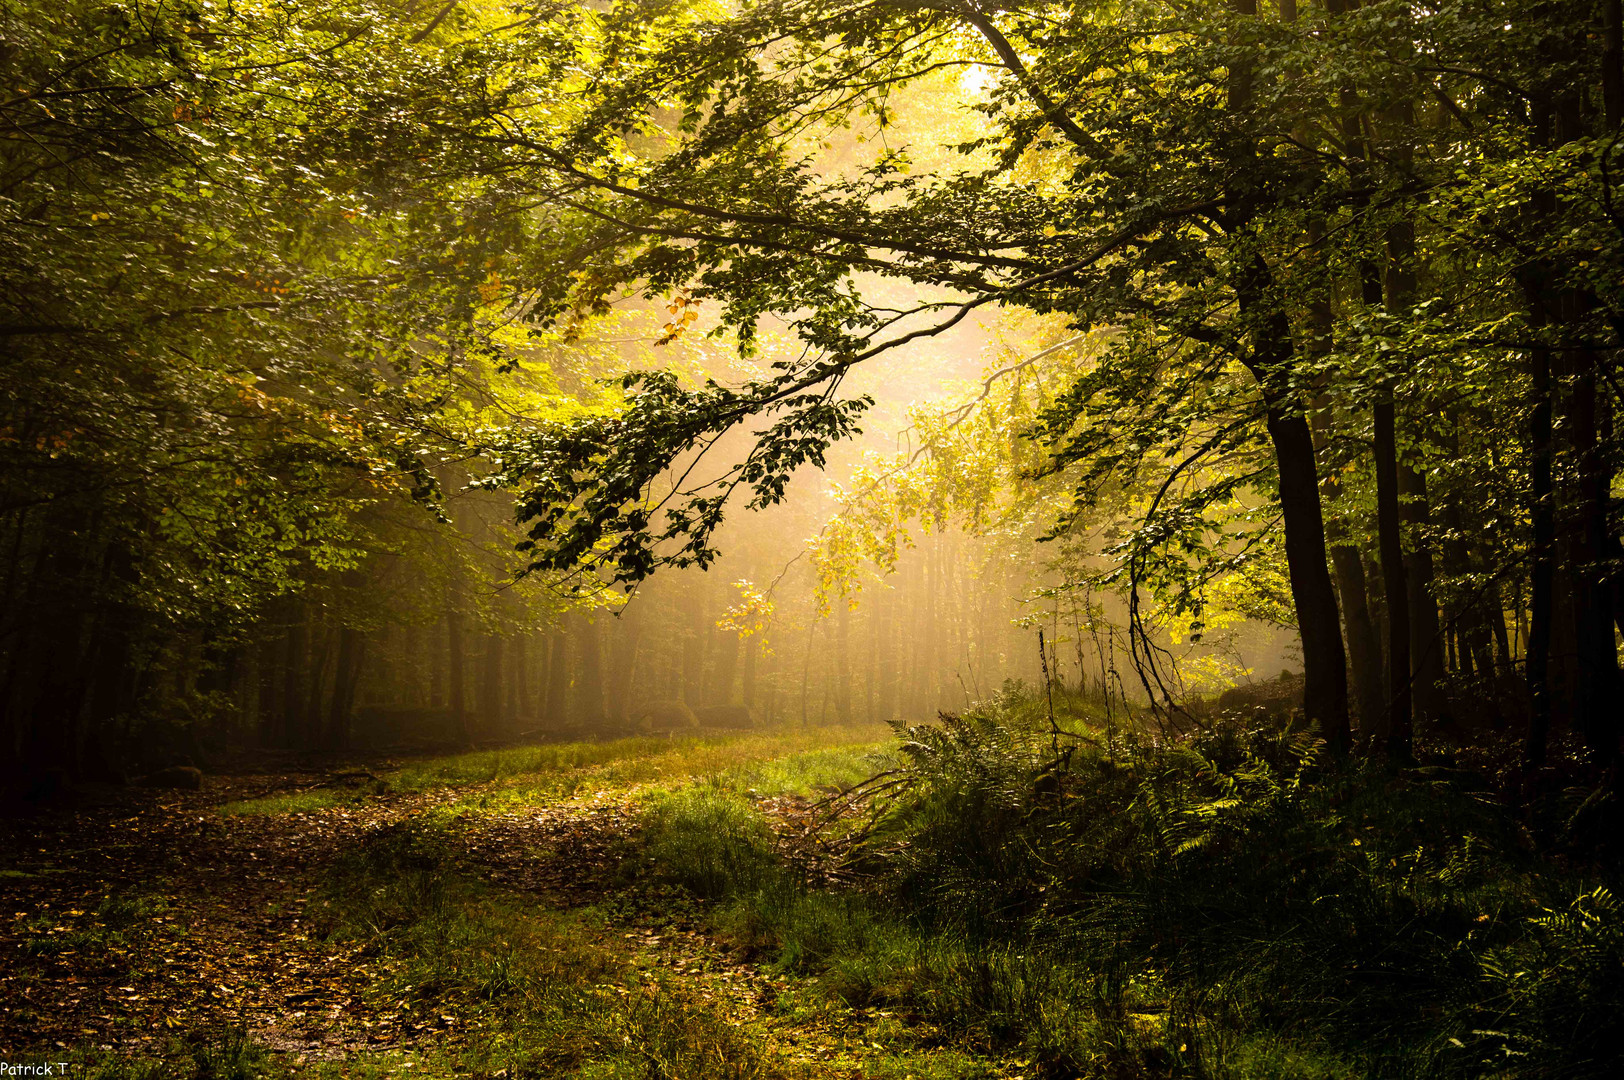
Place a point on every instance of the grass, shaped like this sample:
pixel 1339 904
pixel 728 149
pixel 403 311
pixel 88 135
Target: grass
pixel 543 992
pixel 811 772
pixel 291 802
pixel 119 917
pixel 777 762
pixel 547 993
pixel 1226 907
pixel 624 762
pixel 1232 906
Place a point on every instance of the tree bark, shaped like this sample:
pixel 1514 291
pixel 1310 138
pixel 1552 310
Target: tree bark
pixel 458 684
pixel 752 653
pixel 623 662
pixel 351 655
pixel 1542 511
pixel 558 681
pixel 1426 637
pixel 1325 673
pixel 589 698
pixel 490 684
pixel 293 673
pixel 1398 734
pixel 843 662
pixel 1364 648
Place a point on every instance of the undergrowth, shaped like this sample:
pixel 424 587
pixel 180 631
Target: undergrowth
pixel 539 991
pixel 1230 905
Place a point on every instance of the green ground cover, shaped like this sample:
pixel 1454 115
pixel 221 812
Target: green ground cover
pixel 1005 902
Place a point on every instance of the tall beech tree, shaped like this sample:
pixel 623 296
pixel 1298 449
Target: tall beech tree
pixel 1196 179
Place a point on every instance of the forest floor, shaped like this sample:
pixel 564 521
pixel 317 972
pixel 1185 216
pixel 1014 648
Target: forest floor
pixel 488 914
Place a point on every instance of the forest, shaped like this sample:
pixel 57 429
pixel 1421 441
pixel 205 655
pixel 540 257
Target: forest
pixel 772 539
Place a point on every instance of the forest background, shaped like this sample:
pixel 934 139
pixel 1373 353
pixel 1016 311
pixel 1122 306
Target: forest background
pixel 361 357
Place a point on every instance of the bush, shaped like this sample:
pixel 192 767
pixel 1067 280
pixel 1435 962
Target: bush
pixel 1232 904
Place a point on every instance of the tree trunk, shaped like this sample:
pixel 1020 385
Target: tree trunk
pixel 843 662
pixel 1398 733
pixel 693 647
pixel 727 666
pixel 1426 645
pixel 1426 637
pixel 352 646
pixel 1325 676
pixel 623 663
pixel 293 668
pixel 490 685
pixel 519 680
pixel 1325 673
pixel 558 681
pixel 1542 511
pixel 270 705
pixel 1364 647
pixel 887 670
pixel 589 698
pixel 752 652
pixel 457 687
pixel 312 734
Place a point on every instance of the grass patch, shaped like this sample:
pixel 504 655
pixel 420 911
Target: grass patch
pixel 542 993
pixel 220 1052
pixel 773 762
pixel 812 772
pixel 513 778
pixel 1226 907
pixel 292 802
pixel 117 921
pixel 621 761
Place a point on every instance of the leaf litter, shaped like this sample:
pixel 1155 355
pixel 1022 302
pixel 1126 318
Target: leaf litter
pixel 137 916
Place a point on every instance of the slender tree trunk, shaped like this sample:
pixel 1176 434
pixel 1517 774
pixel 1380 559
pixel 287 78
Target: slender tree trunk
pixel 1596 706
pixel 1325 671
pixel 271 651
pixel 1364 649
pixel 311 729
pixel 693 647
pixel 1542 573
pixel 589 700
pixel 843 663
pixel 293 668
pixel 1325 676
pixel 886 667
pixel 455 678
pixel 437 657
pixel 726 669
pixel 752 653
pixel 1426 644
pixel 519 680
pixel 490 685
pixel 871 685
pixel 558 681
pixel 624 666
pixel 1426 641
pixel 352 646
pixel 1398 736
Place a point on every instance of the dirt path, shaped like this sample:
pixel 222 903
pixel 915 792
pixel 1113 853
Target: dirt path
pixel 144 913
pixel 141 916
